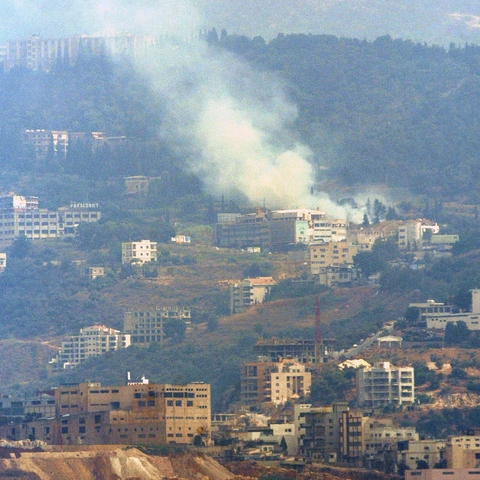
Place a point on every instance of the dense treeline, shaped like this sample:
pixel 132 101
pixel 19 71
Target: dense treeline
pixel 388 111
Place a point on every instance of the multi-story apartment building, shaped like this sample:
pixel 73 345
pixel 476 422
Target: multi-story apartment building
pixel 249 292
pixel 410 233
pixel 21 217
pixel 137 413
pixel 90 342
pixel 292 227
pixel 352 436
pixel 39 53
pixel 302 350
pixel 384 384
pixel 147 326
pixel 325 231
pixel 70 217
pixel 277 229
pixel 274 382
pixel 244 231
pixel 332 254
pixel 322 437
pixel 142 252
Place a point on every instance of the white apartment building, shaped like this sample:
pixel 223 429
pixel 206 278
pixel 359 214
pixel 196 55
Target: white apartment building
pixel 410 233
pixel 249 292
pixel 90 342
pixel 39 53
pixel 20 216
pixel 329 231
pixel 439 320
pixel 384 384
pixel 142 252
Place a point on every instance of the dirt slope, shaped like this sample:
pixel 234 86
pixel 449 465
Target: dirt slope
pixel 109 463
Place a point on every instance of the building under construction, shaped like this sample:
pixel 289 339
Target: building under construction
pixel 302 350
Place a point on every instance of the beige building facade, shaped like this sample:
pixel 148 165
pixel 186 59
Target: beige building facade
pixel 249 292
pixel 332 254
pixel 143 251
pixel 138 413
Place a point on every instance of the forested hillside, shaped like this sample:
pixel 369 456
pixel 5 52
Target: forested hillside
pixel 388 111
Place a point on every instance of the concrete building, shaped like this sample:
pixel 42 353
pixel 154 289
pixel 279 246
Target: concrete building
pixel 352 436
pixel 322 432
pixel 381 433
pixel 38 53
pixel 325 231
pixel 94 272
pixel 249 292
pixel 244 231
pixel 137 185
pixel 463 451
pixel 337 276
pixel 90 342
pixel 302 350
pixel 139 252
pixel 137 413
pixel 410 233
pixel 296 226
pixel 274 382
pixel 21 217
pixel 147 326
pixel 80 212
pixel 430 307
pixel 384 384
pixel 332 254
pixel 442 474
pixel 412 451
pixel 439 321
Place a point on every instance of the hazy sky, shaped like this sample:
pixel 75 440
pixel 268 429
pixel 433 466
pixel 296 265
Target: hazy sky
pixel 433 21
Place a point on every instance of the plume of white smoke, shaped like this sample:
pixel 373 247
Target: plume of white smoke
pixel 236 126
pixel 233 123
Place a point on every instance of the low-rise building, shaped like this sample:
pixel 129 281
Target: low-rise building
pixel 442 473
pixel 384 384
pixel 381 433
pixel 337 276
pixel 142 252
pixel 439 320
pixel 413 451
pixel 463 451
pixel 136 185
pixel 249 292
pixel 430 307
pixel 137 413
pixel 94 272
pixel 90 342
